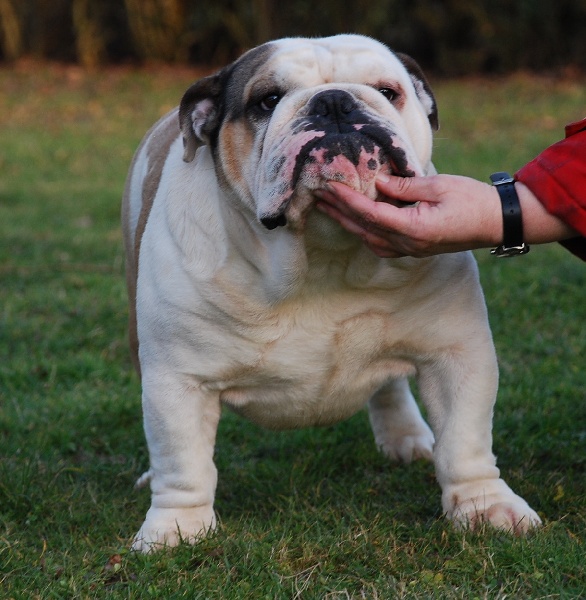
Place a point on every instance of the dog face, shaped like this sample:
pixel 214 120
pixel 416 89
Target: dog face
pixel 290 115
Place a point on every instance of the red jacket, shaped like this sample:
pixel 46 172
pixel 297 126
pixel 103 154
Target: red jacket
pixel 558 178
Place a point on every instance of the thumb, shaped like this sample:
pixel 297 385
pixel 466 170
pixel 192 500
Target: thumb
pixel 406 189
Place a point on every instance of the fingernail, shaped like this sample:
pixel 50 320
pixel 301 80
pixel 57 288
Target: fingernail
pixel 383 178
pixel 324 191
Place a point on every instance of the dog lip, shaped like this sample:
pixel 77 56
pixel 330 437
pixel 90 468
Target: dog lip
pixel 361 136
pixel 400 171
pixel 349 143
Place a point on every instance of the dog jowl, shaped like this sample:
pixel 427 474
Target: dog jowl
pixel 243 295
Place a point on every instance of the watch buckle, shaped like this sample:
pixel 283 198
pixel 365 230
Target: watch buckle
pixel 509 251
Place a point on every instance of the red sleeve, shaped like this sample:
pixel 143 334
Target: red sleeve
pixel 558 178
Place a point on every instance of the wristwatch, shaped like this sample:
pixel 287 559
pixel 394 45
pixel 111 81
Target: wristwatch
pixel 513 244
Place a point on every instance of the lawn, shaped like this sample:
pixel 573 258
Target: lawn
pixel 305 514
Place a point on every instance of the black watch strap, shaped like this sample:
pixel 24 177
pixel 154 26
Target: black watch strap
pixel 513 244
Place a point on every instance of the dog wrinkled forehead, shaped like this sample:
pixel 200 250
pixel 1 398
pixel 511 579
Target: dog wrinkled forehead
pixel 293 63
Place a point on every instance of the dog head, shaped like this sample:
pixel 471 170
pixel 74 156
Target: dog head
pixel 292 114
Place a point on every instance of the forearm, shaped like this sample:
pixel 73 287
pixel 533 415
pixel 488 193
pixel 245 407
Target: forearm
pixel 539 226
pixel 480 222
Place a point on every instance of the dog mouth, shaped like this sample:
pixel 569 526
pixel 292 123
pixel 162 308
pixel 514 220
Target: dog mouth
pixel 367 144
pixel 354 156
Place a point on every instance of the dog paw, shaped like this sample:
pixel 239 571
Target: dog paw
pixel 408 446
pixel 510 513
pixel 168 527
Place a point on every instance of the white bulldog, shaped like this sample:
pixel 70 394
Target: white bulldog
pixel 243 295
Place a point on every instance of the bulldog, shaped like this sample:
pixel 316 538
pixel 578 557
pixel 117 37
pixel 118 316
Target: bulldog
pixel 243 295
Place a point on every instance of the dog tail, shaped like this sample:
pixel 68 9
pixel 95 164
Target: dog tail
pixel 143 480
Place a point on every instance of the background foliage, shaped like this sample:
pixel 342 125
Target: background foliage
pixel 451 37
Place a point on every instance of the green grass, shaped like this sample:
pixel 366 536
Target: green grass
pixel 308 514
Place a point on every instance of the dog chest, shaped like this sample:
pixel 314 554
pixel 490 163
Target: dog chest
pixel 318 372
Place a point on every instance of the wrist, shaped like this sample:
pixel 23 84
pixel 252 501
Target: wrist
pixel 513 240
pixel 494 230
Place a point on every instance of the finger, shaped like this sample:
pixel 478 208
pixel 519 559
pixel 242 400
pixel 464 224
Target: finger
pixel 377 216
pixel 356 205
pixel 357 201
pixel 406 189
pixel 350 204
pixel 377 242
pixel 384 251
pixel 333 211
pixel 327 198
pixel 356 222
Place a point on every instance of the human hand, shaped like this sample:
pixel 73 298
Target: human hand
pixel 453 213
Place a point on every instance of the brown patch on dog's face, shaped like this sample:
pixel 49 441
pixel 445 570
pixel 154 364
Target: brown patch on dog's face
pixel 218 99
pixel 235 149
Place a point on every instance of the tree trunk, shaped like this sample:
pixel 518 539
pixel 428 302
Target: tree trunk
pixel 263 19
pixel 158 27
pixel 89 33
pixel 11 29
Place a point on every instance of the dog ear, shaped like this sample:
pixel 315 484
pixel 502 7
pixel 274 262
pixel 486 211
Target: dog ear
pixel 199 113
pixel 422 88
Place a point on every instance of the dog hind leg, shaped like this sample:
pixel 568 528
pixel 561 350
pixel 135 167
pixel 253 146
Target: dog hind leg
pixel 399 430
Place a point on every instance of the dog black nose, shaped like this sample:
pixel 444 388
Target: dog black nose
pixel 274 221
pixel 336 104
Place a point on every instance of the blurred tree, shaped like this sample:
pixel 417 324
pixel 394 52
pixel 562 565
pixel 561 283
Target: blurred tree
pixel 158 28
pixel 457 32
pixel 49 29
pixel 448 36
pixel 11 34
pixel 89 33
pixel 264 16
pixel 223 30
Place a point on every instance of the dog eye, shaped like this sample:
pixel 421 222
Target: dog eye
pixel 389 93
pixel 268 103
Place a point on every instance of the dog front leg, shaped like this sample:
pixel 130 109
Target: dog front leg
pixel 459 391
pixel 180 421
